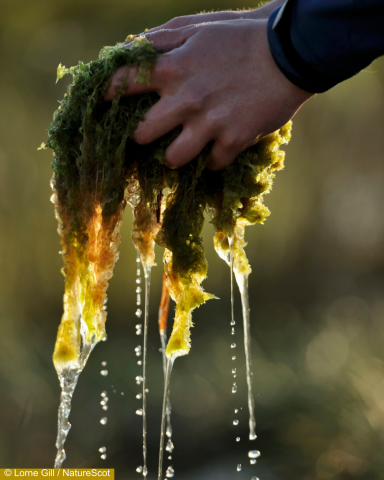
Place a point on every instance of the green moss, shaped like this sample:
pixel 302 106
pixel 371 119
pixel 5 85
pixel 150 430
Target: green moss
pixel 96 162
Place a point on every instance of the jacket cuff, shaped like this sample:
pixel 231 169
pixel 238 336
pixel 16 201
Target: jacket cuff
pixel 289 61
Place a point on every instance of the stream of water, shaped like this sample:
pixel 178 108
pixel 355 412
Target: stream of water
pixel 166 401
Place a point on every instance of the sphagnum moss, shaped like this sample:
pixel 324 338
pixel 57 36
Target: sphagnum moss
pixel 98 169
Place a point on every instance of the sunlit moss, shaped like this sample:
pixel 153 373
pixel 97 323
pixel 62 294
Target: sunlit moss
pixel 98 169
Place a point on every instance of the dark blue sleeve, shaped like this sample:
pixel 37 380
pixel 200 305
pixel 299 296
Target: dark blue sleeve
pixel 320 43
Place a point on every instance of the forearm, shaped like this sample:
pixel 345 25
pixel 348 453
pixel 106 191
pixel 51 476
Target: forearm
pixel 320 43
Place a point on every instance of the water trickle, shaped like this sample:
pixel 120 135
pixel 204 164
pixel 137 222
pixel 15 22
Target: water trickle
pixel 170 472
pixel 242 282
pixel 104 420
pixel 170 445
pixel 235 422
pixel 68 379
pixel 147 277
pixel 238 468
pixel 104 373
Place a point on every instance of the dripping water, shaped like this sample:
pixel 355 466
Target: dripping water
pixel 242 282
pixel 68 380
pixel 163 339
pixel 147 276
pixel 167 384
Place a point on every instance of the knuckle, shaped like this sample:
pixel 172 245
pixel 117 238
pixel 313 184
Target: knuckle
pixel 193 100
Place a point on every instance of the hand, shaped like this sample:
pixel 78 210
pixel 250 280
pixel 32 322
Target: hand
pixel 260 13
pixel 219 81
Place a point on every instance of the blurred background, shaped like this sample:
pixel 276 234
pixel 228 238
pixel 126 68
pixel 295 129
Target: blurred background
pixel 317 287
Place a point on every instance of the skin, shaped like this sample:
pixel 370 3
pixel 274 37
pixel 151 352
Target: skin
pixel 219 81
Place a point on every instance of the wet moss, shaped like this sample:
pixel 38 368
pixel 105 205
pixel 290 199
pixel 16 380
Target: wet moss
pixel 98 169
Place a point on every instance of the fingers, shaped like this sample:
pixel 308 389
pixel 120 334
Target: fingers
pixel 186 147
pixel 159 120
pixel 224 152
pixel 123 82
pixel 167 40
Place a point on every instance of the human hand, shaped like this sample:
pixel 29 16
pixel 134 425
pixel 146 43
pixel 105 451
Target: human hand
pixel 219 81
pixel 259 13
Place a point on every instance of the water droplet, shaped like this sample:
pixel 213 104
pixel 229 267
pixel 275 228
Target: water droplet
pixel 104 456
pixel 138 299
pixel 105 407
pixel 138 272
pixel 237 439
pixel 170 472
pixel 145 471
pixel 234 388
pixel 139 412
pixel 139 379
pixel 252 436
pixel 254 454
pixel 236 410
pixel 104 394
pixel 138 350
pixel 170 457
pixel 104 339
pixel 114 391
pixel 234 370
pixel 169 447
pixel 235 422
pixel 169 431
pixel 139 469
pixel 238 468
pixel 104 401
pixel 103 364
pixel 233 322
pixel 252 461
pixel 104 373
pixel 233 345
pixel 103 421
pixel 233 358
pixel 146 390
pixel 102 449
pixel 138 313
pixel 138 289
pixel 139 396
pixel 255 478
pixel 122 394
pixel 233 331
pixel 138 281
pixel 139 362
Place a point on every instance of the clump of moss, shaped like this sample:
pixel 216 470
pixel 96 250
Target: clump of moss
pixel 98 168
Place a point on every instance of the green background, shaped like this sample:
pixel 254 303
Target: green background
pixel 317 287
